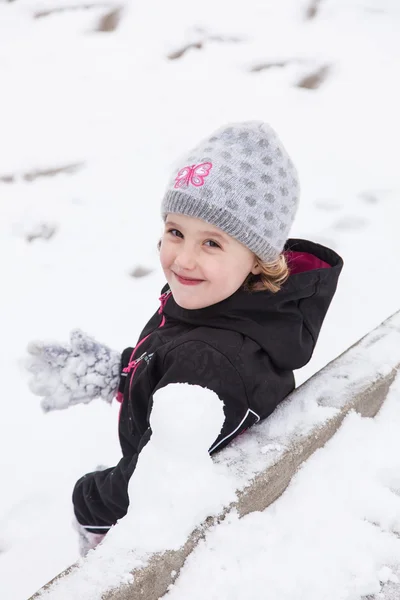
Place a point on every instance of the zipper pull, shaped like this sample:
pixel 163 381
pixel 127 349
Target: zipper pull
pixel 133 363
pixel 163 299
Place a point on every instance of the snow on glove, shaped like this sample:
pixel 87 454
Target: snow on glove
pixel 68 374
pixel 87 540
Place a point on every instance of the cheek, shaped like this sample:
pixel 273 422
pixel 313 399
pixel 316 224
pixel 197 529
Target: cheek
pixel 166 255
pixel 232 273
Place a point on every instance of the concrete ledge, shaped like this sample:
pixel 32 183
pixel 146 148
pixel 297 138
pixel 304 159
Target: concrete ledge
pixel 266 458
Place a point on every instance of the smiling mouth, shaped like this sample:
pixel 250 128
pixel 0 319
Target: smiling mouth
pixel 188 280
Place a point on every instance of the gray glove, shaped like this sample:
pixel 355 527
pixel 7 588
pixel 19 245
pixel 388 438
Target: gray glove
pixel 68 374
pixel 86 539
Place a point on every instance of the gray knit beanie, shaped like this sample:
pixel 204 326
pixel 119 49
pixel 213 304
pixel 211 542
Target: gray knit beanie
pixel 241 180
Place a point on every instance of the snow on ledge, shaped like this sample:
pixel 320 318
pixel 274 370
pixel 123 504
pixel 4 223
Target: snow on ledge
pixel 326 397
pixel 313 404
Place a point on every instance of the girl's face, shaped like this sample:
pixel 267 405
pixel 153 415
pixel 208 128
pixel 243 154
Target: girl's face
pixel 202 264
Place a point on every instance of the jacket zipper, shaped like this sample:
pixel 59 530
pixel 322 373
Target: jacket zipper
pixel 134 363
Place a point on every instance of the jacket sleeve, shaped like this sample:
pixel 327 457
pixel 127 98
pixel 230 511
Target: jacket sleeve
pixel 101 498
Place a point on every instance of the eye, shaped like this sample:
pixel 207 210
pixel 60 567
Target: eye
pixel 213 244
pixel 175 232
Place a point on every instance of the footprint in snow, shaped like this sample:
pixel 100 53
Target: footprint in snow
pixel 350 223
pixel 369 197
pixel 329 205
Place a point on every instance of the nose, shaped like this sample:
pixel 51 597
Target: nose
pixel 185 258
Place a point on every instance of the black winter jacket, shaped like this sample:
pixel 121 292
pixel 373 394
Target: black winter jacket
pixel 244 348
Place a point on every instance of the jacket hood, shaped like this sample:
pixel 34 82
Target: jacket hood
pixel 286 324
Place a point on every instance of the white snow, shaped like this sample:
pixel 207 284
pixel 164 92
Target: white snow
pixel 174 488
pixel 116 112
pixel 333 534
pixel 176 485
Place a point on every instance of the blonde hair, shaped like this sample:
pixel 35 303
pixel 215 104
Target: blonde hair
pixel 273 275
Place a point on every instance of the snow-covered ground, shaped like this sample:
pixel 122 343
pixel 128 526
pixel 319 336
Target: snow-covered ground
pixel 175 487
pixel 114 112
pixel 334 534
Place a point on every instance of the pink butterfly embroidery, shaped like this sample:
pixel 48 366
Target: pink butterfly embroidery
pixel 194 174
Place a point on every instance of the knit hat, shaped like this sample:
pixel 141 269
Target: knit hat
pixel 241 180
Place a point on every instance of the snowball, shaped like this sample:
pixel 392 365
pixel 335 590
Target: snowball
pixel 185 417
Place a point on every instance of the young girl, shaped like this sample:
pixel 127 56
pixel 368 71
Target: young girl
pixel 242 308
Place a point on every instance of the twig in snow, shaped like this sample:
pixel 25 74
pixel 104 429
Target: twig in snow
pixel 179 53
pixel 110 21
pixel 269 65
pixel 51 11
pixel 312 9
pixel 314 80
pixel 200 44
pixel 32 175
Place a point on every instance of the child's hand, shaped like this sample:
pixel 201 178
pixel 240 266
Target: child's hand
pixel 67 374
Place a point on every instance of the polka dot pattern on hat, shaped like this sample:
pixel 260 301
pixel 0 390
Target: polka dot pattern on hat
pixel 242 180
